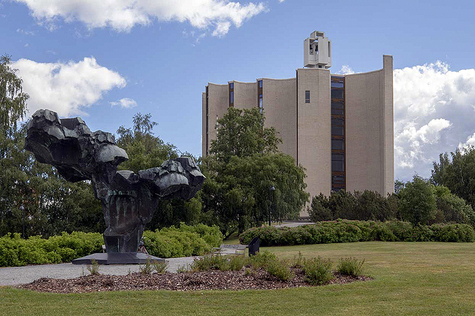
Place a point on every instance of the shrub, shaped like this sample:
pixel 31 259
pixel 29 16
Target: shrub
pixel 147 268
pixel 353 231
pixel 279 269
pixel 262 260
pixel 318 271
pixel 319 210
pixel 210 262
pixel 169 242
pixel 350 266
pixel 236 263
pixel 93 268
pixel 182 242
pixel 160 266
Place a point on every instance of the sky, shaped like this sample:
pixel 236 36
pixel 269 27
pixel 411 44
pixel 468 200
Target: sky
pixel 109 60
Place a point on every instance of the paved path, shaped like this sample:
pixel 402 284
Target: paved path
pixel 294 224
pixel 22 275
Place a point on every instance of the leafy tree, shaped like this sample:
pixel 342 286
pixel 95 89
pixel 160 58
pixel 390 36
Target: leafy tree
pixel 417 202
pixel 147 151
pixel 30 192
pixel 451 208
pixel 242 168
pixel 241 133
pixel 457 173
pixel 320 209
pixel 367 205
pixel 143 148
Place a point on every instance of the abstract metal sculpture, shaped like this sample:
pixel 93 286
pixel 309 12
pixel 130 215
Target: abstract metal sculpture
pixel 128 199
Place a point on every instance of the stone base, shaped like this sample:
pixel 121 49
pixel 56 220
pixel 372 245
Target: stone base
pixel 117 258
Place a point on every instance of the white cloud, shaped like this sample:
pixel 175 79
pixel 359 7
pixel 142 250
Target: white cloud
pixel 123 15
pixel 125 103
pixel 22 31
pixel 281 1
pixel 66 88
pixel 345 70
pixel 434 110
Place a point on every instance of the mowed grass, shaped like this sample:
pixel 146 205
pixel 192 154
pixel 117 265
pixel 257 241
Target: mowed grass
pixel 410 279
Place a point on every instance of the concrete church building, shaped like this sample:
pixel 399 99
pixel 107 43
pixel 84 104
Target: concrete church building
pixel 338 127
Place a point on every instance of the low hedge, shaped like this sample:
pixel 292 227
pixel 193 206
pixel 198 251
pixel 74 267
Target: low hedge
pixel 15 251
pixel 352 231
pixel 168 242
pixel 183 241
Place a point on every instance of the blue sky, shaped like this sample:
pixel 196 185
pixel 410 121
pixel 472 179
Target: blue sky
pixel 108 60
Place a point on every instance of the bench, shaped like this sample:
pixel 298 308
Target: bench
pixel 238 249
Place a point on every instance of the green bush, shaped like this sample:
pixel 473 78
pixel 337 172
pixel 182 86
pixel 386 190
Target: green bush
pixel 262 259
pixel 15 251
pixel 350 266
pixel 354 231
pixel 318 271
pixel 169 242
pixel 280 270
pixel 211 262
pixel 182 242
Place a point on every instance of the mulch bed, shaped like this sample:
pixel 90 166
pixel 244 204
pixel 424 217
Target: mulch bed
pixel 195 281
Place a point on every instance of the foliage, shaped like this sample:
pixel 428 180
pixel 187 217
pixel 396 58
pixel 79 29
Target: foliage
pixel 146 268
pixel 182 242
pixel 171 242
pixel 417 203
pixel 148 151
pixel 280 270
pixel 143 148
pixel 32 193
pixel 368 205
pixel 353 231
pixel 93 268
pixel 12 101
pixel 160 266
pixel 210 262
pixel 15 251
pixel 452 208
pixel 262 259
pixel 457 173
pixel 242 168
pixel 241 133
pixel 318 271
pixel 351 266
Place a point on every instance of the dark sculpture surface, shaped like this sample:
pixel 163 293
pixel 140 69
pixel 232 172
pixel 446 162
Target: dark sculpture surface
pixel 128 199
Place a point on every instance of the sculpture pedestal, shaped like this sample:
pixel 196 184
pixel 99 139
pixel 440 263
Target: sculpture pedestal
pixel 118 258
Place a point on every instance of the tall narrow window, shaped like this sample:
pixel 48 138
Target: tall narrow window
pixel 231 94
pixel 260 100
pixel 338 133
pixel 307 96
pixel 207 119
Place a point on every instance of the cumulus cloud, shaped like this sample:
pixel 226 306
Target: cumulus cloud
pixel 345 70
pixel 66 88
pixel 434 109
pixel 123 15
pixel 125 103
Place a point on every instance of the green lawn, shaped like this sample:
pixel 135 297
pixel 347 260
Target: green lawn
pixel 410 279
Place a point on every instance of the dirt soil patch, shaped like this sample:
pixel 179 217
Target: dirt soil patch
pixel 190 281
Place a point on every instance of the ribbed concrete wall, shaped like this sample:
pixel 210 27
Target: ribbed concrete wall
pixel 388 119
pixel 218 103
pixel 245 95
pixel 279 102
pixel 314 129
pixel 369 130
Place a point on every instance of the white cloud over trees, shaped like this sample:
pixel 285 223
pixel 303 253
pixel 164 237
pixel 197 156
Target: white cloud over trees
pixel 123 15
pixel 434 111
pixel 66 88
